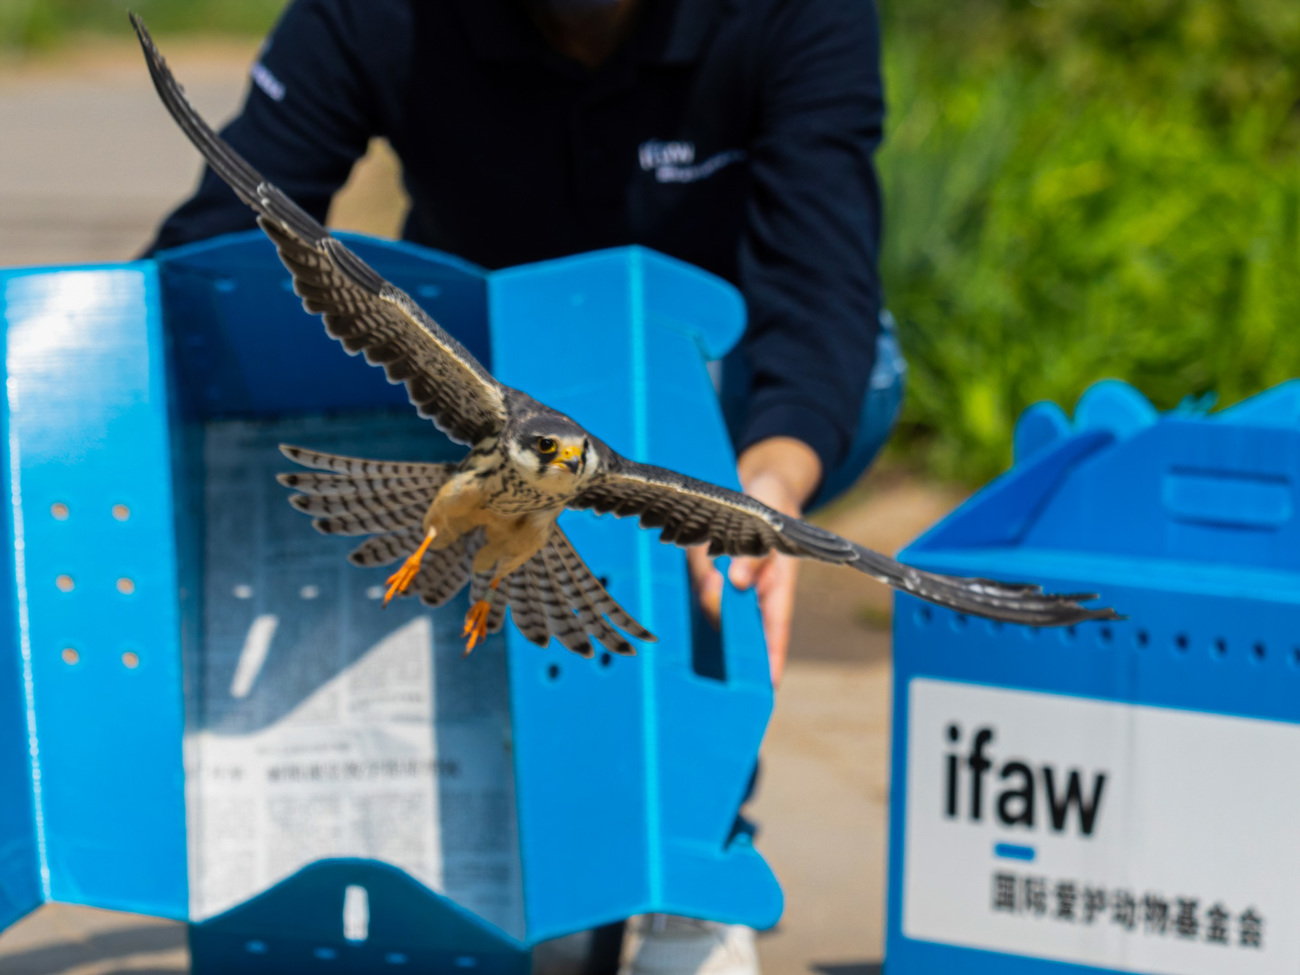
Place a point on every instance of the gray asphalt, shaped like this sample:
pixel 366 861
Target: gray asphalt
pixel 89 160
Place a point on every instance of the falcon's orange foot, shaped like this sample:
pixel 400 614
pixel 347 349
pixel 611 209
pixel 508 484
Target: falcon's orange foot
pixel 402 578
pixel 476 624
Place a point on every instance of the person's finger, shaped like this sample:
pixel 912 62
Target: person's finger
pixel 776 589
pixel 744 570
pixel 708 583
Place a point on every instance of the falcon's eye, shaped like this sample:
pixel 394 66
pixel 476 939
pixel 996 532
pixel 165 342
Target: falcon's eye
pixel 546 445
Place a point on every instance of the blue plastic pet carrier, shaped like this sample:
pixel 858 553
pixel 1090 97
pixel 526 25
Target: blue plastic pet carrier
pixel 205 714
pixel 1120 796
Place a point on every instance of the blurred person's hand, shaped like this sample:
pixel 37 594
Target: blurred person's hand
pixel 782 473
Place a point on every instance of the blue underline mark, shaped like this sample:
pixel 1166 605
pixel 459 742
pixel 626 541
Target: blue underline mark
pixel 1011 851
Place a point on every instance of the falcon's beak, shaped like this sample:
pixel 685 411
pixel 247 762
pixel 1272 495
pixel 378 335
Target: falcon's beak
pixel 569 457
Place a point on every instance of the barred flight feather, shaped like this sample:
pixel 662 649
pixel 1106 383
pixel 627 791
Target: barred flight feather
pixel 386 549
pixel 320 461
pixel 333 485
pixel 361 523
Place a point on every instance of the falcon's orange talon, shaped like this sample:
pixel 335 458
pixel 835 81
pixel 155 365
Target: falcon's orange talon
pixel 403 577
pixel 476 624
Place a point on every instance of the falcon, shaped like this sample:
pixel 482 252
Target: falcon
pixel 490 521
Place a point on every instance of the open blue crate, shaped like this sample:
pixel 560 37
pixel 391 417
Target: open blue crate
pixel 1165 840
pixel 205 715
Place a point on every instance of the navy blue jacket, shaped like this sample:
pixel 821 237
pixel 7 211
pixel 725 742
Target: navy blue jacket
pixel 737 135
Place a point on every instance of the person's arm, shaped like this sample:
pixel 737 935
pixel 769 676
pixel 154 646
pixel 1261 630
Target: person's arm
pixel 808 273
pixel 317 96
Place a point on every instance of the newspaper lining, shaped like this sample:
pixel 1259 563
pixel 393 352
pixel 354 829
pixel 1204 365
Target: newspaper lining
pixel 320 725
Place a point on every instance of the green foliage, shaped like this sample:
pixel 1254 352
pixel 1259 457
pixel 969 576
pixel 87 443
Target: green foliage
pixel 38 24
pixel 1086 189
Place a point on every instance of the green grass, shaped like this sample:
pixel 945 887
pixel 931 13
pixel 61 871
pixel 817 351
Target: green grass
pixel 28 25
pixel 1087 189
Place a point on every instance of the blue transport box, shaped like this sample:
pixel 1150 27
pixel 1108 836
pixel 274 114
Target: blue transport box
pixel 204 713
pixel 1116 797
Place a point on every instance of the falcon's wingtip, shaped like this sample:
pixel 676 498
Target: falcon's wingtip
pixel 151 52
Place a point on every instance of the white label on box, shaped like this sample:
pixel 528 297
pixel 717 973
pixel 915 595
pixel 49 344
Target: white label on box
pixel 1128 837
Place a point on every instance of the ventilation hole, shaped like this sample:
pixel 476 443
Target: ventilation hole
pixel 603 580
pixel 1295 656
pixel 375 592
pixel 326 954
pixel 242 591
pixel 59 511
pixel 959 621
pixel 1181 641
pixel 70 656
pixel 255 947
pixel 1259 650
pixel 125 586
pixel 130 660
pixel 121 512
pixel 65 583
pixel 1220 647
pixel 995 626
pixel 606 659
pixel 356 913
pixel 395 958
pixel 1142 638
pixel 924 614
pixel 1105 634
pixel 553 672
pixel 1068 634
pixel 708 655
pixel 309 592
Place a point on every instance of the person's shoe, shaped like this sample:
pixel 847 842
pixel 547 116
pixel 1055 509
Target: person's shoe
pixel 664 944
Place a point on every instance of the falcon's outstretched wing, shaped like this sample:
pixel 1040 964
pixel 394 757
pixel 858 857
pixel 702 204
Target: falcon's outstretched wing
pixel 362 310
pixel 690 512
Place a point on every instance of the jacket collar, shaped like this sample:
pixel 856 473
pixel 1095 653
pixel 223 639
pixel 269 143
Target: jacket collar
pixel 671 32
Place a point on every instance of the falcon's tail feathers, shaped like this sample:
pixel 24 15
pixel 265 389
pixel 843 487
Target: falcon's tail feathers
pixel 554 594
pixel 445 571
pixel 593 591
pixel 561 621
pixel 591 621
pixel 1006 602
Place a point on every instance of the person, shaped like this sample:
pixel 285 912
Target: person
pixel 739 137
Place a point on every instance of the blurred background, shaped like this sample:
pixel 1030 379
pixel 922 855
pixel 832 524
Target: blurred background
pixel 1076 189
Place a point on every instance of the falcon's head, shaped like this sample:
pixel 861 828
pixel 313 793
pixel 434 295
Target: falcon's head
pixel 553 450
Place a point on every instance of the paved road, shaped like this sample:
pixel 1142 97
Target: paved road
pixel 88 162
